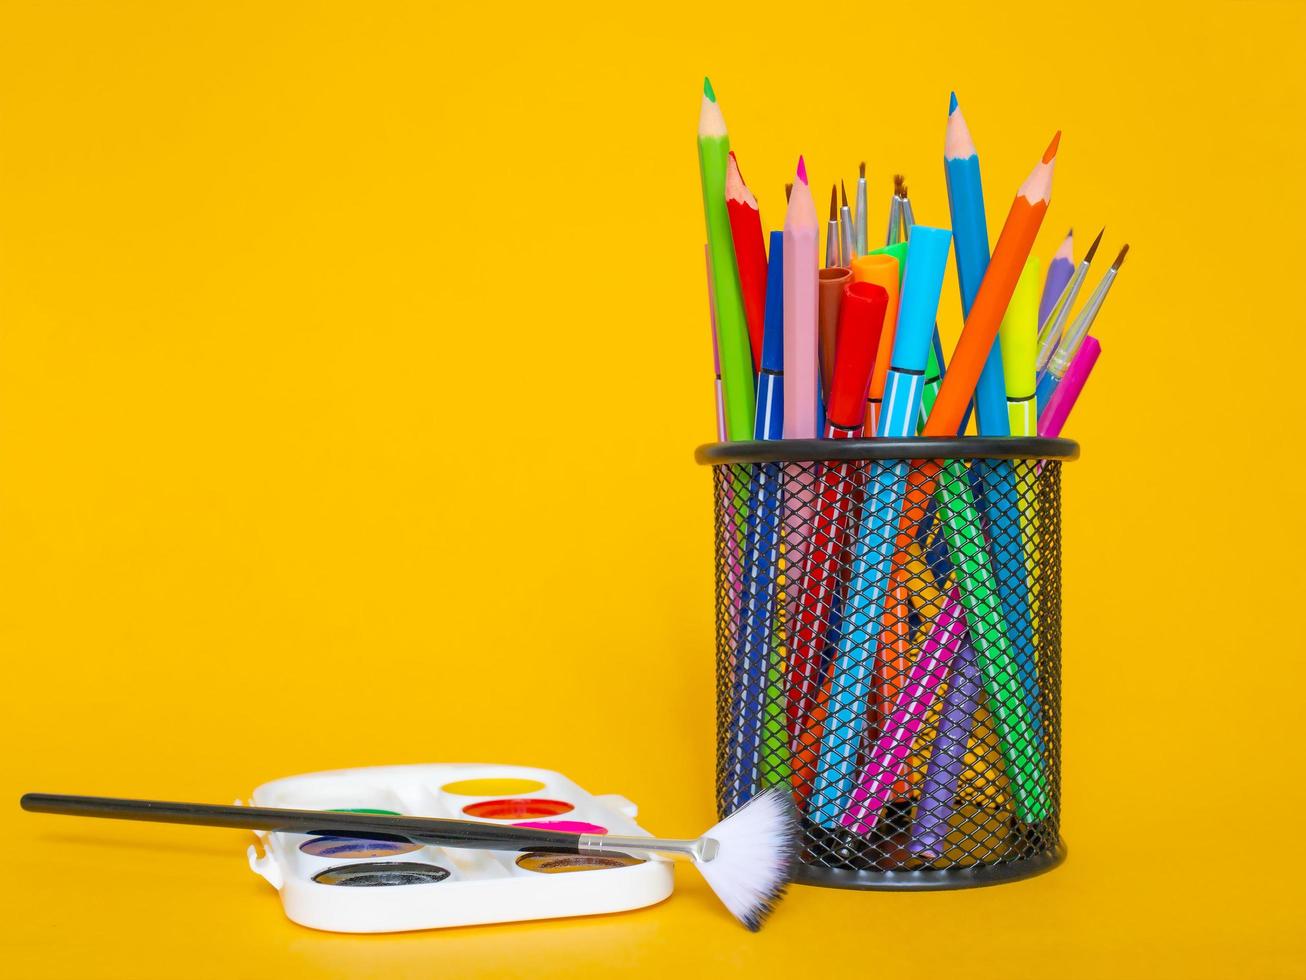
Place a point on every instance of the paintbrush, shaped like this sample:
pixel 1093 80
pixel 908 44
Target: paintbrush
pixel 745 858
pixel 846 244
pixel 832 245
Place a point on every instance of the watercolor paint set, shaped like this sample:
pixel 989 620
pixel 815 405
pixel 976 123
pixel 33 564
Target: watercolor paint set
pixel 344 884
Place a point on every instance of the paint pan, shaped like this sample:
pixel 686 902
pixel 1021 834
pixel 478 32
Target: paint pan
pixel 345 848
pixel 475 886
pixel 493 787
pixel 381 874
pixel 558 864
pixel 521 808
pixel 564 826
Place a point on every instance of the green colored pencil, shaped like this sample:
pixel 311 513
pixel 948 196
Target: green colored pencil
pixel 731 325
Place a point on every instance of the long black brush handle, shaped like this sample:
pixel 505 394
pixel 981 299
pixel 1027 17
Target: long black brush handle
pixel 422 830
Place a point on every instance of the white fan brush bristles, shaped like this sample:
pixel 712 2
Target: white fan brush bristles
pixel 757 847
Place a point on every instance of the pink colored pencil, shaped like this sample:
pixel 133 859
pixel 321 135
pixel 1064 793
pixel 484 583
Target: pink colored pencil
pixel 888 756
pixel 801 375
pixel 1063 399
pixel 716 350
pixel 800 302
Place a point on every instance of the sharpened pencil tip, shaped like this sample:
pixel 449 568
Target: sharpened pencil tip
pixel 1120 258
pixel 952 102
pixel 1092 249
pixel 802 170
pixel 707 89
pixel 843 194
pixel 861 170
pixel 789 190
pixel 1050 153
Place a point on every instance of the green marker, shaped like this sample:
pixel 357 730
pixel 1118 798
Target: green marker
pixel 968 552
pixel 731 325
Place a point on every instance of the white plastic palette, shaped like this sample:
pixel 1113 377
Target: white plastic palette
pixel 399 886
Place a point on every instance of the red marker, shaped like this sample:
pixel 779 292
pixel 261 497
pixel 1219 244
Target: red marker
pixel 861 318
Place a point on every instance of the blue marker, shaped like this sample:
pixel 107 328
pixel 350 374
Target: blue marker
pixel 853 673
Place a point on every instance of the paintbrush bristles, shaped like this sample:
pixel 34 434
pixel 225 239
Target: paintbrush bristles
pixel 861 170
pixel 1120 258
pixel 899 185
pixel 758 845
pixel 843 195
pixel 834 203
pixel 1092 249
pixel 789 190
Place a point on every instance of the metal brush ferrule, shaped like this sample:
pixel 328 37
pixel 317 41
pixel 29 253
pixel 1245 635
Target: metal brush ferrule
pixel 701 849
pixel 859 223
pixel 832 245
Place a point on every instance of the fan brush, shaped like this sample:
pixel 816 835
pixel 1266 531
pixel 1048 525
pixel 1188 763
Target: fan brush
pixel 746 858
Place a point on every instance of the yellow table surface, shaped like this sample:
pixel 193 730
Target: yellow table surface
pixel 328 333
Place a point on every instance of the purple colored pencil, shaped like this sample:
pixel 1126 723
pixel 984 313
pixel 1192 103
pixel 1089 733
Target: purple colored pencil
pixel 1060 269
pixel 947 756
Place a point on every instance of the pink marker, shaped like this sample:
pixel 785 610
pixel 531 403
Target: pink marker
pixel 1057 410
pixel 888 756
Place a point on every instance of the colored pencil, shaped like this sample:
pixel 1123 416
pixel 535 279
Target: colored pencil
pixel 716 353
pixel 773 768
pixel 993 295
pixel 769 423
pixel 800 312
pixel 1015 719
pixel 874 544
pixel 731 322
pixel 1067 394
pixel 750 253
pixel 1060 269
pixel 1078 331
pixel 961 167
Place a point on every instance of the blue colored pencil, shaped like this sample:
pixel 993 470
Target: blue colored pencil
pixel 875 544
pixel 970 233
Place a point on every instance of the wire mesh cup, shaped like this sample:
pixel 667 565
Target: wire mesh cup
pixel 888 624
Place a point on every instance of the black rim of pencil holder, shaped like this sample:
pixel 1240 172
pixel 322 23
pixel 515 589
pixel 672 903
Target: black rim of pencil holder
pixel 888 627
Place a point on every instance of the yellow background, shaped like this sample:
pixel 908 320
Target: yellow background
pixel 351 361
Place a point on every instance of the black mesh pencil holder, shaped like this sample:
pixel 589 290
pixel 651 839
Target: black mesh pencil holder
pixel 888 621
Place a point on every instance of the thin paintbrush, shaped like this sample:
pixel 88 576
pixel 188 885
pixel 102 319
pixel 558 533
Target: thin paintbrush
pixel 894 234
pixel 1077 332
pixel 832 231
pixel 1050 329
pixel 845 229
pixel 859 221
pixel 745 858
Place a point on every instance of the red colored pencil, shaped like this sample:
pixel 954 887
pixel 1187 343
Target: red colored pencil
pixel 750 253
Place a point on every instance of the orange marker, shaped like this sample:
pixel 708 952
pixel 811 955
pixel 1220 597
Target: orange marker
pixel 977 337
pixel 884 270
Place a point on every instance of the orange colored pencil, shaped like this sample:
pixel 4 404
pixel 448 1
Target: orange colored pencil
pixel 981 329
